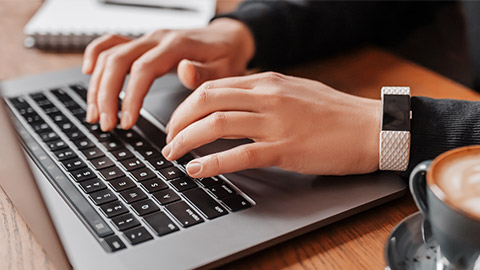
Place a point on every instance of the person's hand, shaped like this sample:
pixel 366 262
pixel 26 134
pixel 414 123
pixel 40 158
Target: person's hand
pixel 296 124
pixel 221 49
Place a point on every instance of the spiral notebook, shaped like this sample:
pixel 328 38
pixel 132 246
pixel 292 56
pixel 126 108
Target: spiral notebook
pixel 72 24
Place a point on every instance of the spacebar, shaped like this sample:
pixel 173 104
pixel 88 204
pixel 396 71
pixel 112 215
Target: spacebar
pixel 64 186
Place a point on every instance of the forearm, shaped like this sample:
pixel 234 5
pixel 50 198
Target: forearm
pixel 290 32
pixel 439 125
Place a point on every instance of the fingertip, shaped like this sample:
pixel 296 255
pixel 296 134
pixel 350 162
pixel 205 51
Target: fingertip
pixel 187 74
pixel 106 122
pixel 92 114
pixel 194 168
pixel 127 121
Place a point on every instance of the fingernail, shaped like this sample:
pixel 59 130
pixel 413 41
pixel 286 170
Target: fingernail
pixel 126 122
pixel 90 112
pixel 104 122
pixel 166 151
pixel 194 167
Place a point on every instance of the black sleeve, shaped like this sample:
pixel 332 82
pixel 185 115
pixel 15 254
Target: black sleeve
pixel 439 125
pixel 290 32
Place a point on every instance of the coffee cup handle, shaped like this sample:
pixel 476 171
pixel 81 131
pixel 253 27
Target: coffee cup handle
pixel 418 186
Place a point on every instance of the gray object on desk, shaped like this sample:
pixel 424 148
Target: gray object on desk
pixel 287 204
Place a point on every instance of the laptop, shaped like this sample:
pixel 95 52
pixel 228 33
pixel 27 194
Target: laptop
pixel 97 200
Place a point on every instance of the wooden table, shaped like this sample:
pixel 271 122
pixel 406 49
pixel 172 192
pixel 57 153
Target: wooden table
pixel 354 243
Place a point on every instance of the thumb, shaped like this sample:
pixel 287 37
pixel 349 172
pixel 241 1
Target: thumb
pixel 192 74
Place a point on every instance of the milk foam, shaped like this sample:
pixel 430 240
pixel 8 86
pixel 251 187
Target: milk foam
pixel 458 176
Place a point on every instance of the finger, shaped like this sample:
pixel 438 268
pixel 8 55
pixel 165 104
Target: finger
pixel 202 103
pixel 96 47
pixel 215 126
pixel 247 156
pixel 92 109
pixel 154 63
pixel 116 67
pixel 193 74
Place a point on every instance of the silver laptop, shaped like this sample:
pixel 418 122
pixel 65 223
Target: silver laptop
pixel 98 200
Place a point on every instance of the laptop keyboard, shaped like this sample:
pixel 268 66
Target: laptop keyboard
pixel 118 182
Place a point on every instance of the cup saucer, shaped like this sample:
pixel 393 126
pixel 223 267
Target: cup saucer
pixel 406 247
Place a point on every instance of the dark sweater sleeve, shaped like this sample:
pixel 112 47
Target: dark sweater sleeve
pixel 439 125
pixel 290 32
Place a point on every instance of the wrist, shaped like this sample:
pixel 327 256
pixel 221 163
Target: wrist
pixel 374 120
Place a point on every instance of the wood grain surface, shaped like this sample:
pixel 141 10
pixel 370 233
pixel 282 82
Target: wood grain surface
pixel 354 243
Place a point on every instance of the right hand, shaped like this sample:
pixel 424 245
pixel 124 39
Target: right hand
pixel 221 49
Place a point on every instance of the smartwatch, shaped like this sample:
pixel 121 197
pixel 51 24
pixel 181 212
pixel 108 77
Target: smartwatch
pixel 394 152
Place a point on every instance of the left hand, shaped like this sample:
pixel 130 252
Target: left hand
pixel 296 124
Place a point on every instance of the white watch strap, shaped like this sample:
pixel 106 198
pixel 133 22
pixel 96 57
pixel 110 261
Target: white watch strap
pixel 394 153
pixel 394 150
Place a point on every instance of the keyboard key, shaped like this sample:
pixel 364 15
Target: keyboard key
pixel 161 223
pixel 48 109
pixel 154 185
pixel 133 195
pixel 74 164
pixel 38 96
pixel 208 182
pixel 83 144
pixel 132 164
pixel 222 191
pixel 67 126
pixel 144 207
pixel 83 174
pixel 33 118
pixel 172 173
pixel 139 143
pixel 143 174
pixel 205 203
pixel 138 235
pixel 80 90
pixel 160 163
pixel 149 152
pixel 92 153
pixel 122 154
pixel 74 134
pixel 103 196
pixel 102 163
pixel 185 159
pixel 236 203
pixel 44 102
pixel 70 103
pixel 185 214
pixel 19 102
pixel 92 185
pixel 166 196
pixel 183 184
pixel 57 145
pixel 49 136
pixel 125 222
pixel 111 173
pixel 122 183
pixel 114 209
pixel 112 144
pixel 93 127
pixel 58 117
pixel 26 110
pixel 60 94
pixel 41 127
pixel 113 243
pixel 103 136
pixel 65 154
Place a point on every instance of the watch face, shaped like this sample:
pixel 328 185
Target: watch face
pixel 396 113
